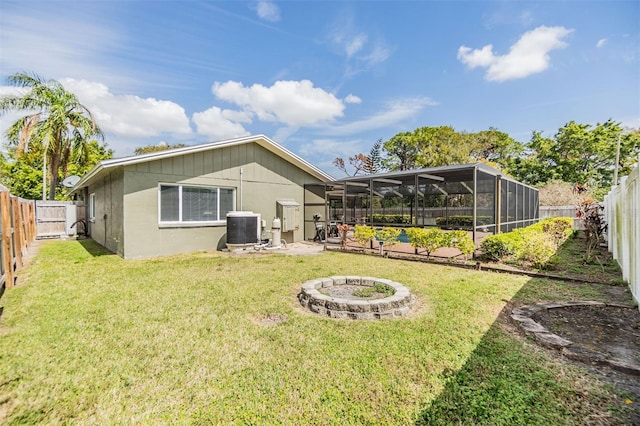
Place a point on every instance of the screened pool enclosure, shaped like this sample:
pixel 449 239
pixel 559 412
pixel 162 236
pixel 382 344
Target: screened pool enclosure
pixel 474 197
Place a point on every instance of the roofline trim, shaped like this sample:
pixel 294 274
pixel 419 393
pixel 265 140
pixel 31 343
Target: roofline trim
pixel 260 139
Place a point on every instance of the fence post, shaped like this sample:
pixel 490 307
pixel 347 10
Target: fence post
pixel 622 214
pixel 624 235
pixel 7 256
pixel 18 243
pixel 25 225
pixel 32 220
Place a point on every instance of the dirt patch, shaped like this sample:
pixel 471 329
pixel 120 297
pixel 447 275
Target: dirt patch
pixel 609 330
pixel 603 337
pixel 270 320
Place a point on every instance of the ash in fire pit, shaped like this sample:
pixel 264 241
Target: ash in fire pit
pixel 356 297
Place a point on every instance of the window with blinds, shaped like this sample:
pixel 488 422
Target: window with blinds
pixel 190 204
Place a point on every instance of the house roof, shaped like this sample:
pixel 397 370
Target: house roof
pixel 453 172
pixel 261 140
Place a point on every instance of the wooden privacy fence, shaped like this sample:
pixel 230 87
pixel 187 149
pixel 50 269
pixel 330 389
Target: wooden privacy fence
pixel 622 214
pixel 17 232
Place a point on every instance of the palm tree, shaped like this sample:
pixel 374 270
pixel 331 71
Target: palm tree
pixel 55 120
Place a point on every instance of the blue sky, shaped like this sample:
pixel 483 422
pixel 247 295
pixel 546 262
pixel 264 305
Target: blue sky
pixel 328 79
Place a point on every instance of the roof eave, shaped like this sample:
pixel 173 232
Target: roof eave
pixel 260 139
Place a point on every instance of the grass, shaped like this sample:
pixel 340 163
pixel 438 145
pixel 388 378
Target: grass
pixel 90 338
pixel 603 267
pixel 379 288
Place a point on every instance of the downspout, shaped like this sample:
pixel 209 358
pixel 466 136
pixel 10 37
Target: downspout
pixel 241 173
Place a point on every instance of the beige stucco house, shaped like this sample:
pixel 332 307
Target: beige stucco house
pixel 176 201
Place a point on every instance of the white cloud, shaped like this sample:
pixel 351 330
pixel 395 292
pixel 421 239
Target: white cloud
pixel 378 54
pixel 220 124
pixel 354 45
pixel 508 13
pixel 335 148
pixel 395 113
pixel 283 133
pixel 529 55
pixel 526 18
pixel 601 42
pixel 12 91
pixel 361 53
pixel 630 122
pixel 268 11
pixel 352 99
pixel 344 38
pixel 294 103
pixel 129 115
pixel 476 57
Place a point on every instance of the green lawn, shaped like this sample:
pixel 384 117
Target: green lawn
pixel 90 338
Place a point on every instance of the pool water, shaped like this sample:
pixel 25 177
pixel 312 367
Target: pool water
pixel 402 238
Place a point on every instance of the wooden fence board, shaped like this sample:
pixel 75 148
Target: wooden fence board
pixel 622 215
pixel 17 232
pixel 7 249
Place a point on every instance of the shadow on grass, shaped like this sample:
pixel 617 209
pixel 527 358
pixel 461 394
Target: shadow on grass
pixel 94 249
pixel 499 384
pixel 505 381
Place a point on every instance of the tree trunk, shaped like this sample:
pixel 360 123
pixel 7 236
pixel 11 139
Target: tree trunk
pixel 53 169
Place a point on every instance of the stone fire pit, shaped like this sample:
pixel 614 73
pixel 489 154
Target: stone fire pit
pixel 337 297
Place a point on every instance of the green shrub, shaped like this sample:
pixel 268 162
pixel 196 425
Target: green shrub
pixel 434 238
pixel 364 234
pixel 539 249
pixel 559 228
pixel 429 239
pixel 501 246
pixel 402 219
pixel 537 243
pixel 462 241
pixel 463 221
pixel 388 235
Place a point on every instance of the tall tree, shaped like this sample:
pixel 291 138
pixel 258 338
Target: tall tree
pixel 359 163
pixel 443 146
pixel 440 146
pixel 494 147
pixel 375 158
pixel 22 174
pixel 402 152
pixel 55 119
pixel 579 154
pixel 362 163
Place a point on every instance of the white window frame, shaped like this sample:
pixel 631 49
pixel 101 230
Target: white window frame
pixel 92 207
pixel 182 224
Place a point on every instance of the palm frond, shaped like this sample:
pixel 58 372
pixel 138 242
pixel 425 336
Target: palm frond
pixel 25 79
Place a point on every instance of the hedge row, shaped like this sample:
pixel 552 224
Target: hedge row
pixel 428 239
pixel 536 244
pixel 459 221
pixel 403 219
pixel 463 221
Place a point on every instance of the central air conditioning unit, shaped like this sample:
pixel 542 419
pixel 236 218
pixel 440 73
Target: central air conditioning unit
pixel 243 229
